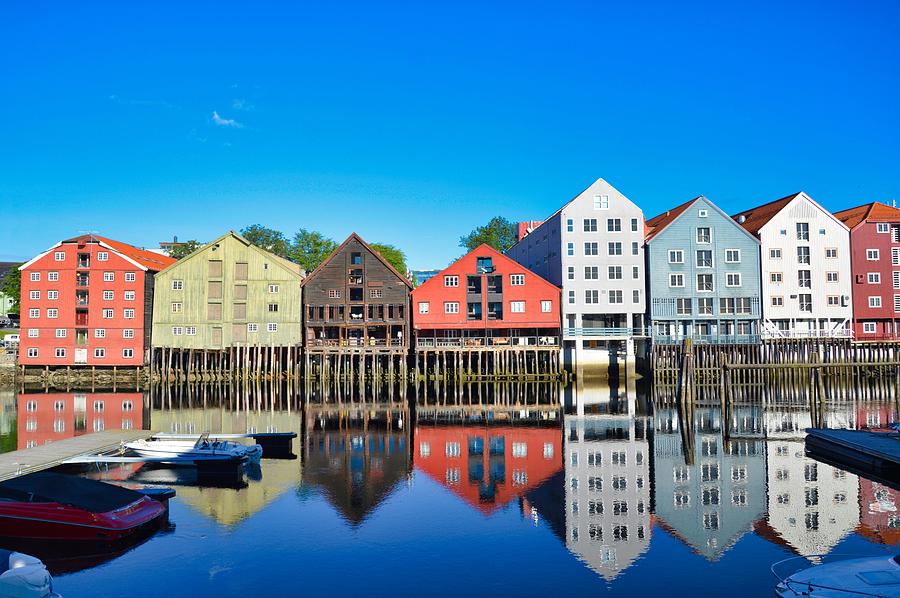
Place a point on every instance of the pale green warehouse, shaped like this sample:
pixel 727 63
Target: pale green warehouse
pixel 228 293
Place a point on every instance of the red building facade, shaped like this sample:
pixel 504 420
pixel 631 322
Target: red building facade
pixel 49 417
pixel 88 301
pixel 875 263
pixel 486 297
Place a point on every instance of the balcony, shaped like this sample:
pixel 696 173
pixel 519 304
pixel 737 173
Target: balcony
pixel 81 318
pixel 708 339
pixel 84 260
pixel 81 298
pixel 355 277
pixel 607 333
pixel 82 280
pixel 471 342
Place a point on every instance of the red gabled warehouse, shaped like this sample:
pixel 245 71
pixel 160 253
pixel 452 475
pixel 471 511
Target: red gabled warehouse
pixel 87 301
pixel 486 298
pixel 875 262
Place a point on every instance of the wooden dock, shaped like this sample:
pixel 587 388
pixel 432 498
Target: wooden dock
pixel 878 451
pixel 50 455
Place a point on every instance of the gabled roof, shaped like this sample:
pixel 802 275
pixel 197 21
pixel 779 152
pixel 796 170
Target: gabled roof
pixel 657 224
pixel 289 265
pixel 354 236
pixel 870 212
pixel 756 218
pixel 142 258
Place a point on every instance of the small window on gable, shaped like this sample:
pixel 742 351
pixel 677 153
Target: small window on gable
pixel 356 258
pixel 883 227
pixel 702 214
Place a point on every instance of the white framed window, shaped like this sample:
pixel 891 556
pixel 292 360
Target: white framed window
pixel 52 313
pixel 803 231
pixel 777 301
pixel 592 248
pixel 334 293
pixel 177 330
pixel 451 307
pixel 451 281
pixel 570 248
pixel 109 276
pixel 831 253
pixel 127 353
pixel 833 300
pixel 705 283
pixel 373 294
pixel 614 248
pixel 32 352
pixel 423 307
pixel 128 333
pixel 776 277
pixel 177 285
pixel 616 296
pixel 176 308
pixel 732 279
pixel 676 280
pixel 896 279
pixel 102 256
pixel 59 256
pixel 732 256
pixel 99 352
pixel 613 225
pixel 35 276
pixel 601 202
pixel 34 313
pixel 190 330
pixel 614 272
pixel 883 227
pixel 107 314
pixel 635 272
pixel 872 255
pixel 33 332
pixel 108 295
pixel 516 280
pixel 274 288
pixel 129 314
pixel 571 297
pixel 590 225
pixel 592 296
pixel 702 213
pixel 704 258
pixel 875 301
pixel 272 327
pixel 591 272
pixel 99 332
pixel 53 276
pixel 60 333
pixel 546 306
pixel 130 277
pixel 571 273
pixel 775 254
pixel 517 307
pixel 676 256
pixel 60 352
pixel 874 277
pixel 897 304
pixel 869 328
pixel 570 225
pixel 704 235
pixel 252 327
pixel 52 295
pixel 34 295
pixel 129 295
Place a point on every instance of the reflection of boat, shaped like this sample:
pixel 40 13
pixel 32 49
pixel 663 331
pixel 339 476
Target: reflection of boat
pixel 24 576
pixel 50 506
pixel 190 451
pixel 874 576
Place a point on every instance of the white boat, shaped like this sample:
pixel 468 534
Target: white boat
pixel 203 449
pixel 24 576
pixel 872 576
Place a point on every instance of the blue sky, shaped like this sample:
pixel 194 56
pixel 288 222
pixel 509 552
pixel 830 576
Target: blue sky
pixel 411 123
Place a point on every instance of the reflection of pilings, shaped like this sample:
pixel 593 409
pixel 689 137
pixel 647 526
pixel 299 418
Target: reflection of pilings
pixel 82 377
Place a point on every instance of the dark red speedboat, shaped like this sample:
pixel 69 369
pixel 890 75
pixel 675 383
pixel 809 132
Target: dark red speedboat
pixel 51 506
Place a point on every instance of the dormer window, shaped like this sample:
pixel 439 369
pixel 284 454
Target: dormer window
pixel 485 265
pixel 702 214
pixel 356 258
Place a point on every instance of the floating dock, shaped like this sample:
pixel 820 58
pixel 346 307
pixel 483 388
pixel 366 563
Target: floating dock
pixel 47 456
pixel 875 451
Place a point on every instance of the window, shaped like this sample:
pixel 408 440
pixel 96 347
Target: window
pixel 423 307
pixel 571 273
pixel 517 307
pixel 129 314
pixel 590 225
pixel 704 235
pixel 129 277
pixel 635 296
pixel 570 248
pixel 804 279
pixel 572 297
pixel 615 248
pixel 676 256
pixel 334 293
pixel 704 258
pixel 683 306
pixel 53 313
pixel 177 330
pixel 831 252
pixel 831 277
pixel 59 256
pixel 35 276
pixel 129 295
pixel 704 283
pixel 51 276
pixel 451 281
pixel 190 330
pixel 516 280
pixel 872 255
pixel 546 306
pixel 273 307
pixel 733 279
pixel 634 225
pixel 615 296
pixel 99 353
pixel 601 202
pixel 896 279
pixel 127 353
pixel 732 256
pixel 705 306
pixel 869 327
pixel 570 225
pixel 32 352
pixel 274 288
pixel 128 333
pixel 775 254
pixel 592 296
pixel 272 327
pixel 803 231
pixel 874 277
pixel 34 313
pixel 108 295
pixel 99 332
pixel 60 333
pixel 34 295
pixel 252 327
pixel 177 285
pixel 875 301
pixel 777 301
pixel 883 227
pixel 635 272
pixel 60 352
pixel 805 302
pixel 803 255
pixel 635 248
pixel 109 276
pixel 102 256
pixel 614 225
pixel 591 249
pixel 451 307
pixel 33 333
pixel 676 280
pixel 776 277
pixel 614 273
pixel 702 213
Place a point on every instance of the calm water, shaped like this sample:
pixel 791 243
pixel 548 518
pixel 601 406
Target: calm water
pixel 381 499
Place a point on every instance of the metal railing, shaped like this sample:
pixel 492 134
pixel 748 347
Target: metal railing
pixel 776 334
pixel 357 342
pixel 707 339
pixel 488 341
pixel 612 332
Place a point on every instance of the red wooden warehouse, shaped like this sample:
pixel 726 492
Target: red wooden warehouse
pixel 875 262
pixel 486 298
pixel 87 301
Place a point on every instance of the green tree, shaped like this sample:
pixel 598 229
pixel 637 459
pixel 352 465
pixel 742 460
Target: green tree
pixel 499 233
pixel 310 248
pixel 269 239
pixel 392 254
pixel 184 249
pixel 11 285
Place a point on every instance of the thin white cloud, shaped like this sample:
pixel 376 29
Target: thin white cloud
pixel 242 104
pixel 225 122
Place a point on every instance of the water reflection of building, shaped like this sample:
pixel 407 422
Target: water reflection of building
pixel 812 505
pixel 879 512
pixel 607 490
pixel 488 466
pixel 47 417
pixel 710 495
pixel 356 455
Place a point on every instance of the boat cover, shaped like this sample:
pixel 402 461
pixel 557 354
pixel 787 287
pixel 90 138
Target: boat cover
pixel 90 495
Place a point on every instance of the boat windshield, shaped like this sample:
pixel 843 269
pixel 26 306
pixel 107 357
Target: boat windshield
pixel 897 559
